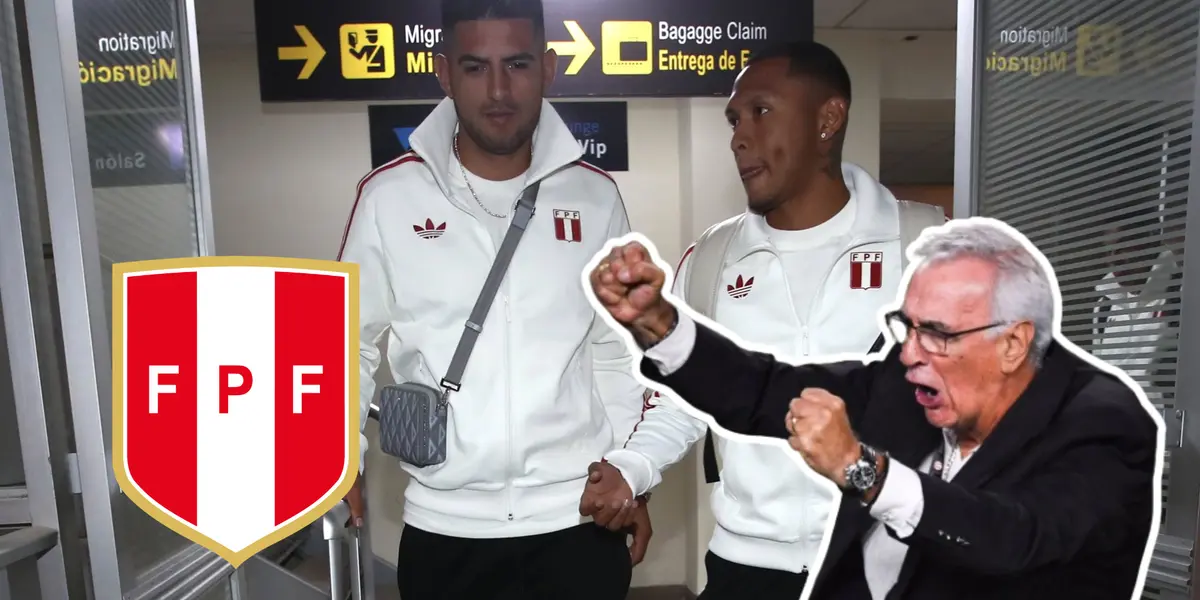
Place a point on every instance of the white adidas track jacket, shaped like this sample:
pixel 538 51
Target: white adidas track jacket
pixel 549 387
pixel 769 514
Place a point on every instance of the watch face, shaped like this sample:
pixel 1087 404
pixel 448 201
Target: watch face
pixel 863 477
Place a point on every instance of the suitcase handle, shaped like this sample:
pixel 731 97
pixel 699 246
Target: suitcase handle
pixel 345 541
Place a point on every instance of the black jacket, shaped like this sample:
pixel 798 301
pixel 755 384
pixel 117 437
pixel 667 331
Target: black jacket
pixel 1056 503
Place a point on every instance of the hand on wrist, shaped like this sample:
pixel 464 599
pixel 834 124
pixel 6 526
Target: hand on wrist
pixel 655 325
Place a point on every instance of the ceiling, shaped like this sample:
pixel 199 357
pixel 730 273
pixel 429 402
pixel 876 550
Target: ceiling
pixel 225 19
pixel 917 136
pixel 891 15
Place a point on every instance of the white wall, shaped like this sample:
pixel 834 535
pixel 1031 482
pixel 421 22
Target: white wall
pixel 283 180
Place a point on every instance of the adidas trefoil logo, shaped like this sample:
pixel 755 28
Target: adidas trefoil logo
pixel 740 288
pixel 430 231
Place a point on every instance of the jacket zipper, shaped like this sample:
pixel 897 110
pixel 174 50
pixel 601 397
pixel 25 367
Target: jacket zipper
pixel 508 501
pixel 787 287
pixel 804 337
pixel 851 247
pixel 508 459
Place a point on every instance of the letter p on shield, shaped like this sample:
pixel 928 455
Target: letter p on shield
pixel 235 395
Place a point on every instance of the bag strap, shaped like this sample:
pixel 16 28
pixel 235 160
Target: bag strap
pixel 878 345
pixel 703 280
pixel 452 382
pixel 914 218
pixel 701 285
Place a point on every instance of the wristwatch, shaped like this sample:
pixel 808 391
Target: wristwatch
pixel 863 473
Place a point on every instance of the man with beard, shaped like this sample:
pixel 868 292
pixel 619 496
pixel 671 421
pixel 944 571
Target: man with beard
pixel 550 387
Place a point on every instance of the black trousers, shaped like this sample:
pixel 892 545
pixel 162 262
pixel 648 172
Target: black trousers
pixel 731 581
pixel 585 562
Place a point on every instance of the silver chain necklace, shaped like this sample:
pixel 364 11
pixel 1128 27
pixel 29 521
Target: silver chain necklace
pixel 948 463
pixel 951 456
pixel 466 179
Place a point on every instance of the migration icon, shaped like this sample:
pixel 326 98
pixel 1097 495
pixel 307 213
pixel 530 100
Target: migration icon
pixel 1098 50
pixel 235 395
pixel 368 51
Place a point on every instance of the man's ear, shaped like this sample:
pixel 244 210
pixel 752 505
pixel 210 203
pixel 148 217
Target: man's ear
pixel 831 119
pixel 441 68
pixel 1015 346
pixel 549 69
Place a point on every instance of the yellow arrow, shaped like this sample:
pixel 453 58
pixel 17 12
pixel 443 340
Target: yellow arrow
pixel 580 47
pixel 311 52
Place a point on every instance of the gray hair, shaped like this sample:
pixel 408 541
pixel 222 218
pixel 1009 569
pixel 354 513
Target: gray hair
pixel 1022 291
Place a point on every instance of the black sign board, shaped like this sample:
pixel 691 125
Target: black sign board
pixel 134 149
pixel 128 54
pixel 601 128
pixel 310 50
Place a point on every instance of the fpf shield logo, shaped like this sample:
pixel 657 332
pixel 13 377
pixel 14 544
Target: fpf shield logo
pixel 235 395
pixel 567 226
pixel 866 270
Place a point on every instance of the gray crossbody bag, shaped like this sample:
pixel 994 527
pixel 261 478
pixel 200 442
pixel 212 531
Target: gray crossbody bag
pixel 413 416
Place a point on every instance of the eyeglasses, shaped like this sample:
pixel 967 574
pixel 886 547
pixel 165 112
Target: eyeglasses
pixel 933 341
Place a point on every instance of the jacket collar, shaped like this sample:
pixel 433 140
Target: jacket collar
pixel 554 146
pixel 1026 419
pixel 876 217
pixel 1161 277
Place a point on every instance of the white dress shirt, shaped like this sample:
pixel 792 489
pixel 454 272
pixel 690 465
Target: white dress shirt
pixel 899 504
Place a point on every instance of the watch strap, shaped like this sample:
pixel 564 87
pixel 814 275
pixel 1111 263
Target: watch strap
pixel 868 460
pixel 880 478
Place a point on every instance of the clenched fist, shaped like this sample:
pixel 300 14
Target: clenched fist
pixel 820 432
pixel 629 286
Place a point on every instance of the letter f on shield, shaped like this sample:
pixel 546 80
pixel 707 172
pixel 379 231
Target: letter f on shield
pixel 235 395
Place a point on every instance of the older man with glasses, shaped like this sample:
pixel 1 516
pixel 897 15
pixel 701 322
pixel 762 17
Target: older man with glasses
pixel 983 457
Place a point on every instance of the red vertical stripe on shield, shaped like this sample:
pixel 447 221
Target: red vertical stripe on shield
pixel 560 229
pixel 576 230
pixel 160 389
pixel 855 275
pixel 310 389
pixel 876 274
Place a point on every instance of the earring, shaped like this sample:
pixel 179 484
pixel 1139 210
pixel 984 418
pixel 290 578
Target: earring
pixel 824 135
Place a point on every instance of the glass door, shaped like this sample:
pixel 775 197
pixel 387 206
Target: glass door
pixel 120 124
pixel 1076 126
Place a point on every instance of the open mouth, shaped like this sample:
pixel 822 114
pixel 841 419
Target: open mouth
pixel 927 396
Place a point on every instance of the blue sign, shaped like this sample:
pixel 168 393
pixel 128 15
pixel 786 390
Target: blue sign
pixel 601 128
pixel 402 135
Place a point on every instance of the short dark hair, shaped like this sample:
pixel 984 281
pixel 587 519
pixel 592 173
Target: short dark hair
pixel 460 11
pixel 812 60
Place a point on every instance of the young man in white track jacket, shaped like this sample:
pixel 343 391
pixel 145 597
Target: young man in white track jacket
pixel 549 386
pixel 806 271
pixel 1138 300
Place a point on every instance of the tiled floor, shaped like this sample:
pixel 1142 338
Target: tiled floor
pixel 388 592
